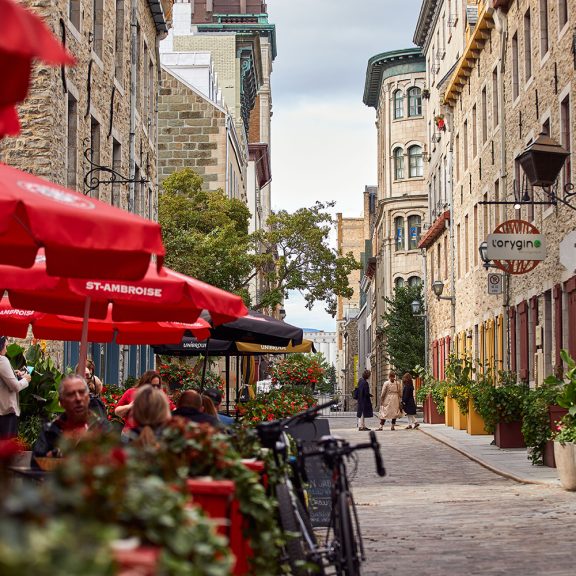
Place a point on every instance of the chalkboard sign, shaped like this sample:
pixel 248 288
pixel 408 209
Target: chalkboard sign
pixel 319 478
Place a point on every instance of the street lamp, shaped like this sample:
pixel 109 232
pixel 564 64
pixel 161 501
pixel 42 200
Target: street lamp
pixel 282 313
pixel 438 288
pixel 483 250
pixel 542 162
pixel 416 307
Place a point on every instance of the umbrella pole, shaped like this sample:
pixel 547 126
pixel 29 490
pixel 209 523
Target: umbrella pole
pixel 84 338
pixel 204 367
pixel 237 378
pixel 228 385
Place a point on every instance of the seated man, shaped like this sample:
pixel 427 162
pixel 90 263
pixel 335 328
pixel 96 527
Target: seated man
pixel 216 396
pixel 190 407
pixel 77 418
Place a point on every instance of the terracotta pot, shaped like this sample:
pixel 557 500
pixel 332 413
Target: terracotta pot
pixel 565 456
pixel 555 414
pixel 431 414
pixel 509 435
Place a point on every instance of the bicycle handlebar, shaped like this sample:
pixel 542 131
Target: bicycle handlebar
pixel 308 414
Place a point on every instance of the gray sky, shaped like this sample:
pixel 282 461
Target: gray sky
pixel 323 136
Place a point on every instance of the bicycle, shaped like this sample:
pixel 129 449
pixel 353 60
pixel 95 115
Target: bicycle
pixel 345 550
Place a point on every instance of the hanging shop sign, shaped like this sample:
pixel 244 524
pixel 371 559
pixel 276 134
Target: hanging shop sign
pixel 516 246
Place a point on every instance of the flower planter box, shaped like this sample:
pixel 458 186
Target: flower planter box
pixel 142 561
pixel 474 422
pixel 217 499
pixel 555 414
pixel 431 414
pixel 565 457
pixel 509 435
pixel 448 411
pixel 258 467
pixel 459 419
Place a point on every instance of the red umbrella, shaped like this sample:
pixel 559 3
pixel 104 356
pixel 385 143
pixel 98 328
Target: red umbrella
pixel 82 237
pixel 23 38
pixel 163 295
pixel 15 322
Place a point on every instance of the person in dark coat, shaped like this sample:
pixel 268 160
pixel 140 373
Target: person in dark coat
pixel 365 409
pixel 190 407
pixel 408 403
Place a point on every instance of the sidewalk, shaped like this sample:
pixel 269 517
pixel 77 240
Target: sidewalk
pixel 511 463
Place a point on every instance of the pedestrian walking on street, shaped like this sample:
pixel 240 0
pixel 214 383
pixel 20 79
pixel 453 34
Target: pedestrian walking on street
pixel 408 403
pixel 390 399
pixel 365 409
pixel 11 383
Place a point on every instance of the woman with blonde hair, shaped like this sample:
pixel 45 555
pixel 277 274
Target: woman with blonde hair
pixel 150 411
pixel 125 404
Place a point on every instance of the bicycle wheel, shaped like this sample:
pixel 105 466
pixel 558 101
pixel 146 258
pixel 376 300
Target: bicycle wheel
pixel 301 543
pixel 350 559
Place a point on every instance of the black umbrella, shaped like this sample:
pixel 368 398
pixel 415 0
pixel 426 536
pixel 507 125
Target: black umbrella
pixel 190 346
pixel 258 328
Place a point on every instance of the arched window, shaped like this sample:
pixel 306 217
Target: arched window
pixel 414 101
pixel 415 164
pixel 414 231
pixel 399 282
pixel 414 281
pixel 398 104
pixel 398 164
pixel 399 233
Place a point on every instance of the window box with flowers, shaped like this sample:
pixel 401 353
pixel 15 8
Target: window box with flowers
pixel 440 122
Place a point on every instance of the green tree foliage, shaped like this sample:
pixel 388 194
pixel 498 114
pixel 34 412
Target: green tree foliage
pixel 206 236
pixel 403 331
pixel 205 233
pixel 294 254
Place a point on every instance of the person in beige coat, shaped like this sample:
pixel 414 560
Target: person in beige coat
pixel 10 385
pixel 390 401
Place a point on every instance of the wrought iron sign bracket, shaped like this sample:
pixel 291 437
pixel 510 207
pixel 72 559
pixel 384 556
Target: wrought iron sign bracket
pixel 103 175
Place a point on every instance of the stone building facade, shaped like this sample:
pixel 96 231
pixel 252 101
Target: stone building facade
pixel 514 80
pixel 100 112
pixel 394 86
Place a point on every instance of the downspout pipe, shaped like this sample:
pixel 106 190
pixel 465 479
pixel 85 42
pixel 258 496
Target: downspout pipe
pixel 133 72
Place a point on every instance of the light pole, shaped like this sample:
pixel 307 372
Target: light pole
pixel 415 304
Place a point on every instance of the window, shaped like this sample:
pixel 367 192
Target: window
pixel 465 145
pixel 458 248
pixel 151 93
pixel 495 99
pixel 496 199
pixel 398 104
pixel 474 132
pixel 414 231
pixel 527 46
pixel 399 282
pixel 445 256
pixel 565 136
pixel 414 281
pixel 414 102
pixel 484 104
pixel 138 56
pixel 74 13
pixel 562 13
pixel 543 28
pixel 399 233
pixel 95 146
pixel 415 163
pixel 515 89
pixel 438 259
pixel 117 166
pixel 457 156
pixel 137 196
pixel 150 204
pixel 475 232
pixel 97 26
pixel 145 92
pixel 72 136
pixel 398 164
pixel 466 245
pixel 119 42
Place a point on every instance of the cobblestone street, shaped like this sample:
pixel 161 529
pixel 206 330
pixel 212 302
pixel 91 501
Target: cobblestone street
pixel 437 512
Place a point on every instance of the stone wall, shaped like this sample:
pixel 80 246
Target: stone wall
pixel 191 133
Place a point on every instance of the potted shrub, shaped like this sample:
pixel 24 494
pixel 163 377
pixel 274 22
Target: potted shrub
pixel 501 405
pixel 565 436
pixel 431 396
pixel 440 122
pixel 459 383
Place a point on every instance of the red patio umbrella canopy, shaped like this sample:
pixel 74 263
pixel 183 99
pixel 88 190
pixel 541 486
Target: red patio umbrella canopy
pixel 82 237
pixel 15 322
pixel 23 38
pixel 163 295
